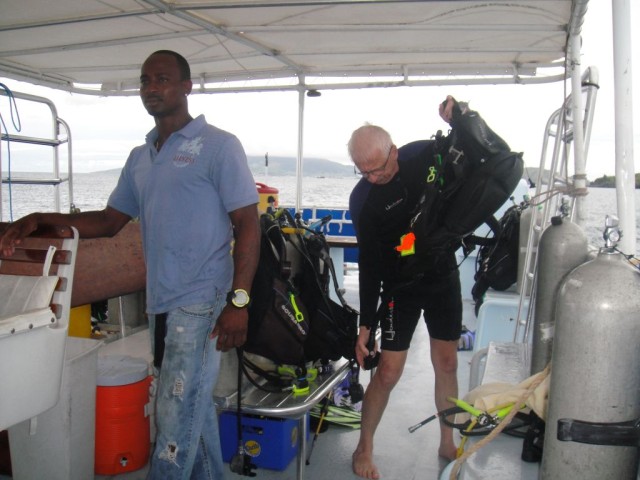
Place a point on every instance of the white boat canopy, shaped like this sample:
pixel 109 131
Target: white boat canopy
pixel 97 46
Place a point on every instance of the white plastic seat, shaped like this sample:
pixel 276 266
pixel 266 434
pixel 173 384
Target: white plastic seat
pixel 25 302
pixel 34 320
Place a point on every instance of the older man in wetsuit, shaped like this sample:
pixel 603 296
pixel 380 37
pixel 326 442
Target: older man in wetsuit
pixel 381 205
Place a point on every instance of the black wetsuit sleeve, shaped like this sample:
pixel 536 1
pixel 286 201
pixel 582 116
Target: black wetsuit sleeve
pixel 369 276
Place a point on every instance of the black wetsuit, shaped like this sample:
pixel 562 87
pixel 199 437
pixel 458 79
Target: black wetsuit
pixel 381 215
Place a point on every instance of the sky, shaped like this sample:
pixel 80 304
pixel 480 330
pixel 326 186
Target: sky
pixel 104 130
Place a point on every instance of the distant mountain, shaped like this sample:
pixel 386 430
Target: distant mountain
pixel 607 181
pixel 312 167
pixel 320 167
pixel 279 166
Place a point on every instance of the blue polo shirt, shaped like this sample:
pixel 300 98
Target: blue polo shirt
pixel 183 195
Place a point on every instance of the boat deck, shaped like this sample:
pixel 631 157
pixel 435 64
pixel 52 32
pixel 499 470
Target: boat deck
pixel 399 454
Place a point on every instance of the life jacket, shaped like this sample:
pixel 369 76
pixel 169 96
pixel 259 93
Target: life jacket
pixel 472 173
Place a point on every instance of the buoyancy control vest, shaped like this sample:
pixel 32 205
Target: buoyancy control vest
pixel 471 174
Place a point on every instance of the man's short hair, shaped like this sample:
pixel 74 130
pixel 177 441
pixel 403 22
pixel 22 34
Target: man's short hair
pixel 183 65
pixel 377 139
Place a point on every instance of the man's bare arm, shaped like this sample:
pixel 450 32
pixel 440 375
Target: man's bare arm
pixel 231 328
pixel 93 224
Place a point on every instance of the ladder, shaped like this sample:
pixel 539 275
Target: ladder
pixel 60 136
pixel 555 185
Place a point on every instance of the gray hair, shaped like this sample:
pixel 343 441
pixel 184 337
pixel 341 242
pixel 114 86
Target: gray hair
pixel 367 139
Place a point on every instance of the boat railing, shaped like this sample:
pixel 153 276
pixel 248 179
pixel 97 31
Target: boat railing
pixel 339 230
pixel 340 223
pixel 555 188
pixel 60 135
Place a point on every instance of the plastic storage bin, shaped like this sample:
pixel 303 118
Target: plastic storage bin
pixel 122 414
pixel 271 442
pixel 58 444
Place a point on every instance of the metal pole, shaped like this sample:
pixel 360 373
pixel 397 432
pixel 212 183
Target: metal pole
pixel 623 101
pixel 301 93
pixel 580 174
pixel 302 445
pixel 266 165
pixel 123 325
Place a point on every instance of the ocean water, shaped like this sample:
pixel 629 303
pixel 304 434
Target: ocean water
pixel 91 191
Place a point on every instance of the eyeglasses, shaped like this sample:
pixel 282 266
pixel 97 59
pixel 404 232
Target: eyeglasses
pixel 377 170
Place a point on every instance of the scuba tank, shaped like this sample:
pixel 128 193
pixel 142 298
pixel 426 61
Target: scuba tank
pixel 562 247
pixel 526 217
pixel 592 422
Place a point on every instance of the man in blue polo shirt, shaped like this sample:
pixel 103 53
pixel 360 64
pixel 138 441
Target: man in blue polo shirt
pixel 191 187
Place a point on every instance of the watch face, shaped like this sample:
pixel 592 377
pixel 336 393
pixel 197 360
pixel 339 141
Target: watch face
pixel 240 298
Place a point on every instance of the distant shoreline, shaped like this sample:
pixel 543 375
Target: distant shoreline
pixel 320 168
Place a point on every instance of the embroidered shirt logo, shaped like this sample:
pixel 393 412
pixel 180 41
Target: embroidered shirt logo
pixel 187 152
pixel 393 204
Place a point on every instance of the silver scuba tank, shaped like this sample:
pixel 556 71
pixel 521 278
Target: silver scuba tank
pixel 592 421
pixel 562 247
pixel 525 225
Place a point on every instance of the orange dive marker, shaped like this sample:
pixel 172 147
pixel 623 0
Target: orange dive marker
pixel 407 244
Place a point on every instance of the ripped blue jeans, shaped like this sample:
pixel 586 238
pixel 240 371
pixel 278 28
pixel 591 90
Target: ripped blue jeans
pixel 188 440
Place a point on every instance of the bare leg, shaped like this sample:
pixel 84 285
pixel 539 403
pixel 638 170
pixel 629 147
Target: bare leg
pixel 444 356
pixel 375 401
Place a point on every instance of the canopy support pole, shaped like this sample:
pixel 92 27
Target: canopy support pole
pixel 623 102
pixel 301 94
pixel 580 173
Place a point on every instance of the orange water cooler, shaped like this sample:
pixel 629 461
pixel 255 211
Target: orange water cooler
pixel 268 198
pixel 122 415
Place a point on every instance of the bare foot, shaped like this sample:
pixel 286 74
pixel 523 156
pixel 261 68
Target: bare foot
pixel 450 452
pixel 363 466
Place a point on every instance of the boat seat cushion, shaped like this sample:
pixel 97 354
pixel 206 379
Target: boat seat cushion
pixel 22 293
